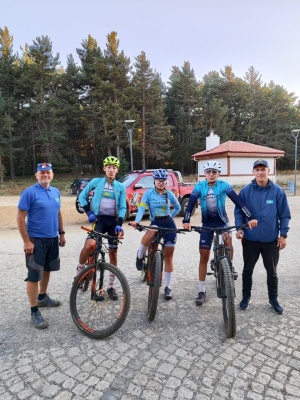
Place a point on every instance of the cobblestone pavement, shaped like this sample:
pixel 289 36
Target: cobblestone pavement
pixel 182 354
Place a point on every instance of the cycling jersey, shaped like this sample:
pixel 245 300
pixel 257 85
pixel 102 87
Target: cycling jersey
pixel 220 189
pixel 97 185
pixel 158 205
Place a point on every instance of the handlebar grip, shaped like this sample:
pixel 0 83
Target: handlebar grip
pixel 85 228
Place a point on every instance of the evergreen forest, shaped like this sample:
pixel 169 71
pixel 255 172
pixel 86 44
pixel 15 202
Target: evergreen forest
pixel 74 115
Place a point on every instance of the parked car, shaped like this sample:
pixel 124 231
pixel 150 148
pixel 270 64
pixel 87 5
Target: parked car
pixel 78 185
pixel 78 206
pixel 137 182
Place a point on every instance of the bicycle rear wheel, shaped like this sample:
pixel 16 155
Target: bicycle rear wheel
pixel 94 313
pixel 228 294
pixel 154 281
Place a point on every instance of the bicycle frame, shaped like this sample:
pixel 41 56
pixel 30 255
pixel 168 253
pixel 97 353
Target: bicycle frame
pixel 223 272
pixel 157 245
pixel 154 265
pixel 101 248
pixel 220 251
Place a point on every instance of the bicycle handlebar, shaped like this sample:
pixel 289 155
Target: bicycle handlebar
pixel 141 228
pixel 200 229
pixel 99 234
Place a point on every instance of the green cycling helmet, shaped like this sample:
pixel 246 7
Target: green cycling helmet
pixel 110 160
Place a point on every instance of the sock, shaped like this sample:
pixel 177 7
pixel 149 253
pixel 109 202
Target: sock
pixel 41 296
pixel 34 309
pixel 142 251
pixel 202 286
pixel 168 279
pixel 111 280
pixel 79 268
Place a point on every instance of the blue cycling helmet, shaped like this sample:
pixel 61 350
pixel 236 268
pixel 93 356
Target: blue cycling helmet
pixel 160 174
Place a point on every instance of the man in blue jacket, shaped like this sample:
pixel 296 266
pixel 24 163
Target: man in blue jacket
pixel 268 204
pixel 107 210
pixel 212 194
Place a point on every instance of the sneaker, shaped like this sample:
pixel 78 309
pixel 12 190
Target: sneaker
pixel 38 321
pixel 235 274
pixel 48 302
pixel 139 263
pixel 276 306
pixel 201 298
pixel 113 295
pixel 244 304
pixel 168 293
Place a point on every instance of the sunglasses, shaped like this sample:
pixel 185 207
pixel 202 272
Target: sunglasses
pixel 211 171
pixel 44 165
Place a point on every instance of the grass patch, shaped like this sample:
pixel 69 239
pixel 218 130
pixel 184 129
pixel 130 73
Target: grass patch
pixel 16 186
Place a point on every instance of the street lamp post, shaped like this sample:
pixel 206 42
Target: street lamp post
pixel 129 123
pixel 295 133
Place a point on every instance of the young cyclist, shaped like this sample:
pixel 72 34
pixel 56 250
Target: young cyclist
pixel 107 210
pixel 158 200
pixel 212 195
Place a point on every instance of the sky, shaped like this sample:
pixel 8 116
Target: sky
pixel 210 34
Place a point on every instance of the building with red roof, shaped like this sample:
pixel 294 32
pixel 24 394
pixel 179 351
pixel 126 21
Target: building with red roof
pixel 236 158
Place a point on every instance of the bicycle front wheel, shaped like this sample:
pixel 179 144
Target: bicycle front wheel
pixel 228 294
pixel 154 281
pixel 100 311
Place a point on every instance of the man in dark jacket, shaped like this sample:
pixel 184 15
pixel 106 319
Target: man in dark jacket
pixel 267 203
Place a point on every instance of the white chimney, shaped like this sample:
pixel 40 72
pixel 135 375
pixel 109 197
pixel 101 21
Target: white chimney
pixel 212 141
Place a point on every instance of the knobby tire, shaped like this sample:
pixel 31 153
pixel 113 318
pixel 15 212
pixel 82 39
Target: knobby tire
pixel 93 312
pixel 228 295
pixel 154 271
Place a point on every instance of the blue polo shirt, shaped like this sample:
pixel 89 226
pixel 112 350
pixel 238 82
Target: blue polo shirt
pixel 42 206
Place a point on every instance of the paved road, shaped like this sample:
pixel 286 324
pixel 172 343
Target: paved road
pixel 183 354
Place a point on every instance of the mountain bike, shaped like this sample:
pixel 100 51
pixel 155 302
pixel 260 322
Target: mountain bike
pixel 99 311
pixel 152 270
pixel 222 270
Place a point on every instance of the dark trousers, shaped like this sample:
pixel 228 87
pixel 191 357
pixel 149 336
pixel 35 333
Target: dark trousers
pixel 270 256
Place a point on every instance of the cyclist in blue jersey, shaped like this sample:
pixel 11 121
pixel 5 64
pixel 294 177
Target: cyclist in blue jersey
pixel 158 201
pixel 107 211
pixel 212 195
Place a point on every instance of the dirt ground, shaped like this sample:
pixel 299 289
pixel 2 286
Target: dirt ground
pixel 9 204
pixel 8 212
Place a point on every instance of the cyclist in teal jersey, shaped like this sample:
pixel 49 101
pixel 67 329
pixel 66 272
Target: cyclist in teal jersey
pixel 212 194
pixel 107 211
pixel 159 200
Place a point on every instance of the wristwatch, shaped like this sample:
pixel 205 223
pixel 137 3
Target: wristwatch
pixel 62 232
pixel 284 236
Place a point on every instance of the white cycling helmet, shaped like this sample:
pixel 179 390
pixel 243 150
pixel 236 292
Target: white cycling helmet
pixel 212 165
